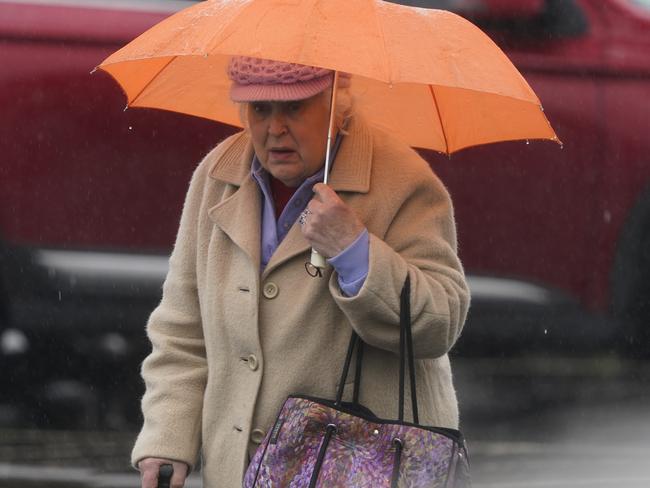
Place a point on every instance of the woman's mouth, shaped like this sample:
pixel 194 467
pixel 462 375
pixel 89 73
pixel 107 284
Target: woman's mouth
pixel 281 153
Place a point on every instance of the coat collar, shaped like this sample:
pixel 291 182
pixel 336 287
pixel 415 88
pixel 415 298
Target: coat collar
pixel 238 215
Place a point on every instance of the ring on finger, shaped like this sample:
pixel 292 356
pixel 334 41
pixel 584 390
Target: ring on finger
pixel 303 216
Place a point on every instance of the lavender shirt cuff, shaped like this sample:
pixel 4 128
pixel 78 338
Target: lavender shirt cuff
pixel 351 265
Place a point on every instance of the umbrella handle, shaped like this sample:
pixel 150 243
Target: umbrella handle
pixel 317 260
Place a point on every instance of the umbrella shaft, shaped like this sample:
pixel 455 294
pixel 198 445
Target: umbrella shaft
pixel 330 129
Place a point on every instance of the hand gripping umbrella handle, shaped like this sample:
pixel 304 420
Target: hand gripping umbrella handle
pixel 318 260
pixel 165 475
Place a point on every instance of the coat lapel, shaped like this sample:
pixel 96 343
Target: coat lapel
pixel 238 215
pixel 292 245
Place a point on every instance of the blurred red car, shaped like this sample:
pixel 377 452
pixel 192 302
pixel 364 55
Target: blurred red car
pixel 556 242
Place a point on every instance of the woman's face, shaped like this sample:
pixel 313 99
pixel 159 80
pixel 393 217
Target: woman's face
pixel 290 138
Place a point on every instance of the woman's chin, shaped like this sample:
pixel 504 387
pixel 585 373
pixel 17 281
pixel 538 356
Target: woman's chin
pixel 291 174
pixel 291 181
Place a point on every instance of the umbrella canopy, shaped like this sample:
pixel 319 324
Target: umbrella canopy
pixel 428 76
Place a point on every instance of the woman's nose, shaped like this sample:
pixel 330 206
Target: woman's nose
pixel 277 124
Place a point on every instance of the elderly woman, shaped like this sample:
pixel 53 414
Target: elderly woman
pixel 241 325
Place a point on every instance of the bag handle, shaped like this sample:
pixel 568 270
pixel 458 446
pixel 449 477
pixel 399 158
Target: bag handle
pixel 406 351
pixel 405 354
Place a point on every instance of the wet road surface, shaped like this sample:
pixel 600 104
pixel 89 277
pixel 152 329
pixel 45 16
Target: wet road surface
pixel 554 423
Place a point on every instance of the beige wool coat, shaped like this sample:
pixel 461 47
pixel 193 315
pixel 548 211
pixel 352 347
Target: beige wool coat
pixel 230 343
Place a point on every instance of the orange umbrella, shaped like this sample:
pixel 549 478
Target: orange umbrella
pixel 428 76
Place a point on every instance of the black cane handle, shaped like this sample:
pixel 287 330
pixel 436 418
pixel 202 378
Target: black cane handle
pixel 165 475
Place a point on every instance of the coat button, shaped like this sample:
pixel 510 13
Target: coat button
pixel 270 290
pixel 257 436
pixel 253 364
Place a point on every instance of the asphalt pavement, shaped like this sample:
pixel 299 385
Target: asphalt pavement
pixel 543 422
pixel 534 422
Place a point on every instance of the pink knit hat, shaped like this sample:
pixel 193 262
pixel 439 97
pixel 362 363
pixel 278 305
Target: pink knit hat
pixel 255 79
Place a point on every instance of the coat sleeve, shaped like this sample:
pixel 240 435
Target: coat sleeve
pixel 175 371
pixel 421 241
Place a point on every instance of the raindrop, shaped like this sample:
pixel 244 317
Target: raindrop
pixel 542 108
pixel 527 142
pixel 126 108
pixel 130 127
pixel 59 295
pixel 607 216
pixel 545 331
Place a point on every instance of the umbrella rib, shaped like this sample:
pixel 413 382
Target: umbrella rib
pixel 442 126
pixel 389 68
pixel 151 81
